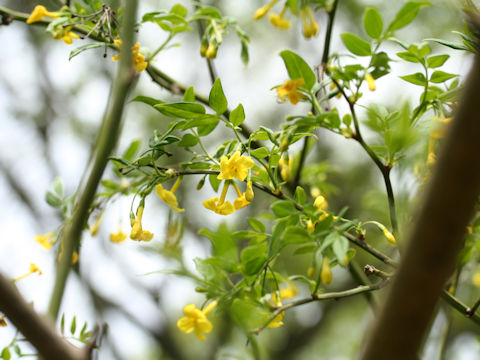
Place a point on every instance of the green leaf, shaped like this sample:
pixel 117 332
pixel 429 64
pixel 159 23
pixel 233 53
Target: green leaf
pixel 82 48
pixel 253 257
pixel 300 196
pixel 440 76
pixel 62 324
pixel 214 182
pixel 217 99
pixel 53 200
pixel 179 10
pixel 260 153
pixel 203 120
pixel 372 21
pixel 224 246
pixel 182 110
pixel 282 208
pixel 237 116
pixel 256 225
pixel 356 45
pixel 407 14
pixel 189 95
pixel 58 186
pixel 450 44
pixel 73 326
pixel 295 235
pixel 340 248
pixel 148 100
pixel 6 354
pixel 437 61
pixel 188 140
pixel 408 56
pixel 417 79
pixel 297 68
pixel 131 150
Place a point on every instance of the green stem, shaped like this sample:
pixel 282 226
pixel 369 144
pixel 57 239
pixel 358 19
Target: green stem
pixel 107 139
pixel 161 47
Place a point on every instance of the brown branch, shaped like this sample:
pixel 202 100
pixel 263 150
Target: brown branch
pixel 38 330
pixel 436 238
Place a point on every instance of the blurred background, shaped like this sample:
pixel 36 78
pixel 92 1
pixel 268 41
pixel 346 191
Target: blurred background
pixel 51 109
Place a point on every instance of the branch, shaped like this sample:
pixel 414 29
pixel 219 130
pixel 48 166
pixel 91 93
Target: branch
pixel 38 331
pixel 436 239
pixel 107 139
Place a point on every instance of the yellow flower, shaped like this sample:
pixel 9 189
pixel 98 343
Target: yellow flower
pixel 476 279
pixel 169 195
pixel 370 82
pixel 289 90
pixel 277 322
pixel 261 12
pixel 286 168
pixel 326 273
pixel 138 233
pixel 310 226
pixel 196 320
pixel 249 194
pixel 203 49
pixel 310 272
pixel 235 167
pixel 3 323
pixel 66 35
pixel 310 26
pixel 39 12
pixel 33 269
pixel 211 52
pixel 138 60
pixel 118 237
pixel 320 203
pixel 46 240
pixel 74 257
pixel 241 200
pixel 279 21
pixel 389 236
pixel 220 206
pixel 96 225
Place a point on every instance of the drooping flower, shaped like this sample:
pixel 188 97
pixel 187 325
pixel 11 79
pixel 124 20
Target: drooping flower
pixel 118 237
pixel 46 240
pixel 138 60
pixel 196 320
pixel 66 34
pixel 279 21
pixel 39 12
pixel 285 168
pixel 235 167
pixel 220 206
pixel 33 269
pixel 249 194
pixel 389 236
pixel 310 226
pixel 320 203
pixel 261 12
pixel 241 200
pixel 326 273
pixel 138 233
pixel 370 82
pixel 290 90
pixel 169 195
pixel 211 52
pixel 96 225
pixel 310 26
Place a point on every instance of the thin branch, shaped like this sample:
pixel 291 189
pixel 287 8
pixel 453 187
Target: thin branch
pixel 38 330
pixel 370 249
pixel 109 132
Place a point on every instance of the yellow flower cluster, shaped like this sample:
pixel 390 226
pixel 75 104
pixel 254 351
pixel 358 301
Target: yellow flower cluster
pixel 277 297
pixel 65 34
pixel 290 90
pixel 209 51
pixel 138 60
pixel 286 166
pixel 138 233
pixel 196 320
pixel 61 33
pixel 235 167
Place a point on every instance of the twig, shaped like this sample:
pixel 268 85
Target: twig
pixel 38 330
pixel 370 249
pixel 107 140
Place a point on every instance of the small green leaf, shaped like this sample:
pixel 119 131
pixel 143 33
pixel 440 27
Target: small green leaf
pixel 6 354
pixel 260 153
pixel 62 324
pixel 408 56
pixel 437 61
pixel 356 45
pixel 214 182
pixel 256 225
pixel 282 208
pixel 417 79
pixel 53 200
pixel 217 99
pixel 73 327
pixel 188 140
pixel 148 100
pixel 340 248
pixel 297 68
pixel 300 196
pixel 372 21
pixel 440 76
pixel 189 95
pixel 182 110
pixel 407 14
pixel 295 235
pixel 58 187
pixel 131 150
pixel 450 44
pixel 179 10
pixel 253 258
pixel 237 116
